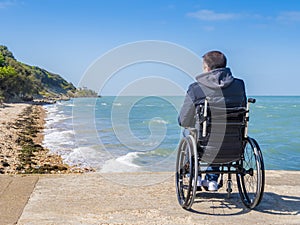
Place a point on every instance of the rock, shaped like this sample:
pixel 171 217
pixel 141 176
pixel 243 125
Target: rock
pixel 5 164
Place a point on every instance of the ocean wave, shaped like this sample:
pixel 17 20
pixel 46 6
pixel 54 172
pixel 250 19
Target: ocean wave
pixel 260 107
pixel 70 105
pixel 58 134
pixel 56 119
pixel 76 157
pixel 122 164
pixel 160 121
pixel 51 108
pixel 156 120
pixel 128 159
pixel 150 143
pixel 58 141
pixel 89 156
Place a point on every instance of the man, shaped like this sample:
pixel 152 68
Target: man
pixel 215 82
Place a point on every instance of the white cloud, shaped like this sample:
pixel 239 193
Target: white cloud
pixel 289 16
pixel 209 15
pixel 7 3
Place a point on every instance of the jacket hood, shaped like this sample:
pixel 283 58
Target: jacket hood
pixel 217 78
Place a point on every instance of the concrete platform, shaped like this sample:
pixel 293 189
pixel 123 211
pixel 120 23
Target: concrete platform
pixel 14 194
pixel 139 198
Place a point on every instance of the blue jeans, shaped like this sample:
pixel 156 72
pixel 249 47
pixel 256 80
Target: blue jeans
pixel 210 176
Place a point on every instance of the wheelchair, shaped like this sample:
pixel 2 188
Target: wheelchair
pixel 220 140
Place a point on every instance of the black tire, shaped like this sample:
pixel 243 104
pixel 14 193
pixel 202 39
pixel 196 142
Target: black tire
pixel 251 180
pixel 186 172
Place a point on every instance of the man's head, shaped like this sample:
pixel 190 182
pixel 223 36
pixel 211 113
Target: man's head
pixel 213 60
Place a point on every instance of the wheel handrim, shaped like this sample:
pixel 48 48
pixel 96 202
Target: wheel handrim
pixel 251 180
pixel 186 169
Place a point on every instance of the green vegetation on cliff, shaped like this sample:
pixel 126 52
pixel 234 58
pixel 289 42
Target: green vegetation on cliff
pixel 85 92
pixel 19 81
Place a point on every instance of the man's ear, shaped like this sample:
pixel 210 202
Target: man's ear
pixel 205 67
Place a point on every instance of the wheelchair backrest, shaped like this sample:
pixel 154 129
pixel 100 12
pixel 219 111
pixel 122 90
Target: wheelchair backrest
pixel 221 132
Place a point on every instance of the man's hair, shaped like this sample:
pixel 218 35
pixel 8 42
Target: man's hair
pixel 215 59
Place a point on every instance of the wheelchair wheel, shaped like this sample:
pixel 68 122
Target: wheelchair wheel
pixel 251 180
pixel 186 172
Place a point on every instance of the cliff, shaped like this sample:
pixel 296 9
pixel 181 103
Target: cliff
pixel 21 82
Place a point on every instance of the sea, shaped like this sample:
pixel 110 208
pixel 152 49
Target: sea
pixel 136 133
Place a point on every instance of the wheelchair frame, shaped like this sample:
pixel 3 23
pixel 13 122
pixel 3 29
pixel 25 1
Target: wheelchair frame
pixel 249 168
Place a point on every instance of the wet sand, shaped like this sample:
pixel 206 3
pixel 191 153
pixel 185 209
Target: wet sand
pixel 21 136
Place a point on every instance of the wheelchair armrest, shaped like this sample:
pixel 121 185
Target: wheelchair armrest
pixel 251 100
pixel 189 131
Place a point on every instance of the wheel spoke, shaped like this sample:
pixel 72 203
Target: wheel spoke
pixel 251 180
pixel 187 172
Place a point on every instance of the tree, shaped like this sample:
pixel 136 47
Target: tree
pixel 7 71
pixel 7 81
pixel 2 61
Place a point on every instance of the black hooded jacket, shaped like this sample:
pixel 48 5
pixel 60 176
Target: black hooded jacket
pixel 220 86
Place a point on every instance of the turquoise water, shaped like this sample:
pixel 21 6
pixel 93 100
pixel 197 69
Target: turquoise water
pixel 275 124
pixel 142 134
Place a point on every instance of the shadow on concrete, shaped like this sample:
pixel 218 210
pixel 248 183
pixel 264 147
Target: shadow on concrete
pixel 279 204
pixel 220 205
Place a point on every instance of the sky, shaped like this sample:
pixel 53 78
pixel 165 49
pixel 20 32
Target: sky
pixel 261 38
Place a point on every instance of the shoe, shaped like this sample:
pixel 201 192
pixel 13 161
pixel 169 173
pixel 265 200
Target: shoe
pixel 199 182
pixel 204 184
pixel 210 185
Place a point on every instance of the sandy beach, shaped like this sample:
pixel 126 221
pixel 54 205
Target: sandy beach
pixel 21 136
pixel 8 136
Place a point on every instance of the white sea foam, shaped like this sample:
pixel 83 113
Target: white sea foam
pixel 70 105
pixel 55 119
pixel 59 136
pixel 160 121
pixel 55 136
pixel 76 157
pixel 59 142
pixel 122 164
pixel 157 120
pixel 128 159
pixel 50 109
pixel 260 107
pixel 54 115
pixel 89 156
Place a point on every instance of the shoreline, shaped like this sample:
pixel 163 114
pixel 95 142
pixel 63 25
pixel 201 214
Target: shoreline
pixel 21 137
